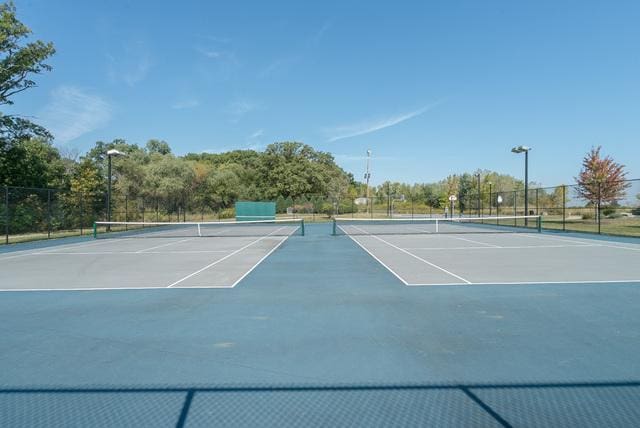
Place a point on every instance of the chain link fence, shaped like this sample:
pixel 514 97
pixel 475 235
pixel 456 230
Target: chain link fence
pixel 29 214
pixel 33 213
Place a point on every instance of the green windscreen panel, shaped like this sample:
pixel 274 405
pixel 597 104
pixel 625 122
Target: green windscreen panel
pixel 248 211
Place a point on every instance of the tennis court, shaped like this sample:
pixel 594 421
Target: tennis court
pixel 488 251
pixel 149 255
pixel 319 331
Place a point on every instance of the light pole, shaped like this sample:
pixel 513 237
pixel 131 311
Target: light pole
pixel 367 176
pixel 111 153
pixel 525 150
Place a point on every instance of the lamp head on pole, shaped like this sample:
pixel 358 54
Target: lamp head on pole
pixel 520 149
pixel 114 152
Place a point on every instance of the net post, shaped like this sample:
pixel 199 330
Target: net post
pixel 199 231
pixel 437 224
pixel 334 227
pixel 302 227
pixel 539 224
pixel 95 230
pixel 564 208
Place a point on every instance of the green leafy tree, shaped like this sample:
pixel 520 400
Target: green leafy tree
pixel 32 162
pixel 158 146
pixel 19 61
pixel 85 200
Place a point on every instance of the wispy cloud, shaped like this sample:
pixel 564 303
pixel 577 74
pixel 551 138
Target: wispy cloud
pixel 131 64
pixel 218 39
pixel 284 63
pixel 209 53
pixel 257 134
pixel 74 112
pixel 217 60
pixel 186 103
pixel 320 34
pixel 278 66
pixel 369 126
pixel 241 107
pixel 217 54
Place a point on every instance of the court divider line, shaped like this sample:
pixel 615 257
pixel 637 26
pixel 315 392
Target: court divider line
pixel 603 281
pixel 417 257
pixel 224 258
pixel 376 258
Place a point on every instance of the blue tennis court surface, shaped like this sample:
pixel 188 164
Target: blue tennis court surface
pixel 384 330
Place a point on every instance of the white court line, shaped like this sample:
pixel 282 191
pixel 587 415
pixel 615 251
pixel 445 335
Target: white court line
pixel 57 247
pixel 474 242
pixel 108 288
pixel 165 245
pixel 104 253
pixel 600 243
pixel 501 248
pixel 226 257
pixel 615 281
pixel 600 282
pixel 259 261
pixel 376 259
pixel 417 257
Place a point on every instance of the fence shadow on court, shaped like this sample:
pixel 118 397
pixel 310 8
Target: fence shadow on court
pixel 583 404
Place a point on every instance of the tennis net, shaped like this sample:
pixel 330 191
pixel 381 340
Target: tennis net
pixel 417 226
pixel 113 229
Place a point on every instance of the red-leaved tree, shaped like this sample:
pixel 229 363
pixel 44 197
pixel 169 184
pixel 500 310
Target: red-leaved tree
pixel 601 179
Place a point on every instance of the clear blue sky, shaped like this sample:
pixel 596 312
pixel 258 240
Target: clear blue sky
pixel 431 87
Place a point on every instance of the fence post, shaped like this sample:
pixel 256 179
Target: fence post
pixel 371 207
pixel 564 208
pixel 6 214
pixel 81 213
pixel 389 213
pixel 48 213
pixel 411 206
pixel 515 207
pixel 598 215
pixel 537 206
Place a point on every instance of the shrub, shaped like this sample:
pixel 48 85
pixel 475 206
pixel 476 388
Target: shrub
pixel 227 213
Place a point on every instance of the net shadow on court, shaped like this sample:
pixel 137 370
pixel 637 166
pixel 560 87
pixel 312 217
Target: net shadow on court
pixel 491 405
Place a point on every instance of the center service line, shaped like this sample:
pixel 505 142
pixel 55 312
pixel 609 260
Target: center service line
pixel 417 257
pixel 224 258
